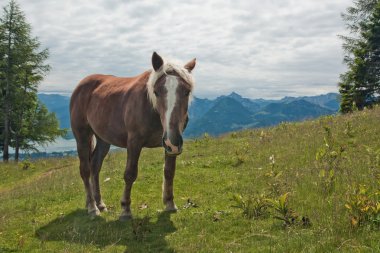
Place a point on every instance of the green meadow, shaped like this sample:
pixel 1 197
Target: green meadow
pixel 297 187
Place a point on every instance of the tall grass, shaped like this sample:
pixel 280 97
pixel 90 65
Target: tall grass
pixel 42 207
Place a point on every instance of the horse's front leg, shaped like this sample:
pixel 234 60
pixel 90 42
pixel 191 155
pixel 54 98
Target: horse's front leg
pixel 167 186
pixel 130 176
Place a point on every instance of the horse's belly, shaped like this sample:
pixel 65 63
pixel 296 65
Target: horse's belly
pixel 109 130
pixel 112 137
pixel 119 142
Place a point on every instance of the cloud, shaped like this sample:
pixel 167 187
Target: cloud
pixel 265 49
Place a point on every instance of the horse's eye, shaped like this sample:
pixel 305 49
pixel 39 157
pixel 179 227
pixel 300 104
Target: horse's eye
pixel 156 93
pixel 187 93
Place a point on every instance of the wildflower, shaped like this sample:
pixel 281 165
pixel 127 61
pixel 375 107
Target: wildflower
pixel 271 159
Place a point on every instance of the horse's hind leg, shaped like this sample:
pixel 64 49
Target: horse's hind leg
pixel 84 147
pixel 100 151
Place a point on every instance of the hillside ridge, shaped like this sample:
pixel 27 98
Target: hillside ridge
pixel 250 113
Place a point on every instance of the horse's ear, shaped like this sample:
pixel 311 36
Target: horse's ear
pixel 190 65
pixel 157 61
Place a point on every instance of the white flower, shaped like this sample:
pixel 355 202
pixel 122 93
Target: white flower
pixel 271 159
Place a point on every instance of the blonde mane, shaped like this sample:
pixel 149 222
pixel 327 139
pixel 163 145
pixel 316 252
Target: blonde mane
pixel 167 67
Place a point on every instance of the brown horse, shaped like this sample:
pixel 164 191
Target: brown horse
pixel 149 110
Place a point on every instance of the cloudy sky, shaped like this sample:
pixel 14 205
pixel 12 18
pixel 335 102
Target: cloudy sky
pixel 260 49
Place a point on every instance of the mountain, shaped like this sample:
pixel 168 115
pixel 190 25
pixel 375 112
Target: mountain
pixel 246 102
pixel 297 110
pixel 199 107
pixel 228 113
pixel 233 112
pixel 58 104
pixel 329 100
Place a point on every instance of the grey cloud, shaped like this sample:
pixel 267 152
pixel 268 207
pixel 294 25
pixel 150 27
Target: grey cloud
pixel 258 48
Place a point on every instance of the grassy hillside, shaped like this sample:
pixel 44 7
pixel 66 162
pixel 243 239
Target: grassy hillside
pixel 329 167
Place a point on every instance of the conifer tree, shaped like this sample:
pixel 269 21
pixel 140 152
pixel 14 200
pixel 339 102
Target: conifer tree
pixel 359 85
pixel 22 68
pixel 372 35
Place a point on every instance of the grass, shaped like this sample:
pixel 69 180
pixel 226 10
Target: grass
pixel 42 208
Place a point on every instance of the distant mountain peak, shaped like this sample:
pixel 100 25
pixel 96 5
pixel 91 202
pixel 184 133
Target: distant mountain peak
pixel 229 112
pixel 234 95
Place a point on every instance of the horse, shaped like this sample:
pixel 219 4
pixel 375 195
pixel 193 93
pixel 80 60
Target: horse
pixel 146 111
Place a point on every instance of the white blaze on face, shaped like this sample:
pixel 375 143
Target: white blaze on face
pixel 171 87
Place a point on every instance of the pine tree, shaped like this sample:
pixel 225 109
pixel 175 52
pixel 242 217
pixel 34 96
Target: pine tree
pixel 22 68
pixel 14 32
pixel 358 84
pixel 346 92
pixel 38 127
pixel 372 36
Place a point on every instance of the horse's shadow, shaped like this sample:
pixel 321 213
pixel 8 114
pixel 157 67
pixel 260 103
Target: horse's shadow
pixel 138 235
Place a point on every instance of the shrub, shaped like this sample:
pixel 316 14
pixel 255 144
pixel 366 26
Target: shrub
pixel 253 207
pixel 363 206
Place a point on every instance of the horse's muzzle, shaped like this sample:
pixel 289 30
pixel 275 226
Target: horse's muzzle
pixel 172 148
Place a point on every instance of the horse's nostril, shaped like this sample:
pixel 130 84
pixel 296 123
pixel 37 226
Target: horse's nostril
pixel 172 145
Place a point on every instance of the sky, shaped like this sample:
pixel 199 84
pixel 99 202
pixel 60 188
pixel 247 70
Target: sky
pixel 259 49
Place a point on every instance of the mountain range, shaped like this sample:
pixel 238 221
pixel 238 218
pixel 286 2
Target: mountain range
pixel 228 113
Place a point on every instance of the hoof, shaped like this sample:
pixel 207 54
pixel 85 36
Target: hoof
pixel 94 213
pixel 102 207
pixel 171 208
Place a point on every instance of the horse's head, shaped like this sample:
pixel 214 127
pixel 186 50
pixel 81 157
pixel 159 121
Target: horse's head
pixel 169 89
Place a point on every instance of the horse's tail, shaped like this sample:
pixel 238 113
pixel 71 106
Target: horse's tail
pixel 91 146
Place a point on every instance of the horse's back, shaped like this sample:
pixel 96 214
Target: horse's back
pixel 86 87
pixel 81 97
pixel 105 84
pixel 108 104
